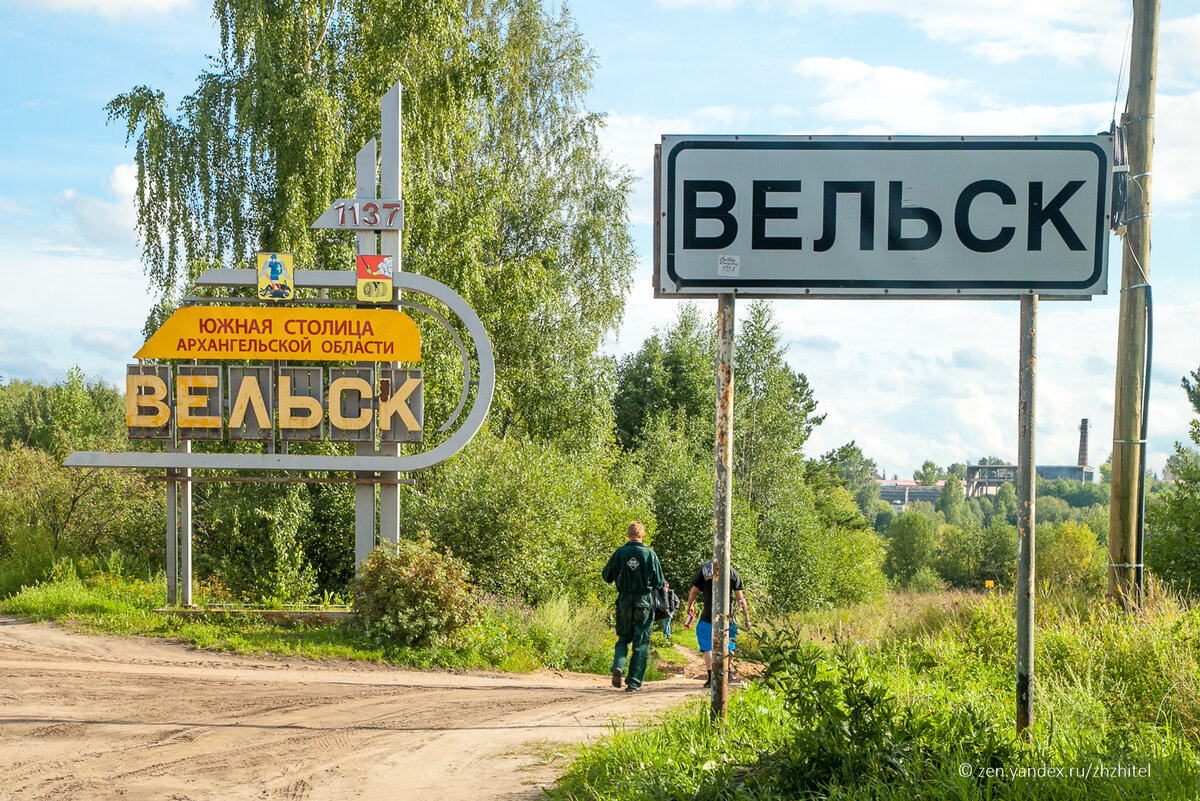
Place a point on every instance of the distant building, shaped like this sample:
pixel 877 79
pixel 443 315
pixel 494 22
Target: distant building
pixel 1069 471
pixel 901 493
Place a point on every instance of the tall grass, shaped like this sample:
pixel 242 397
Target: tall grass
pixel 894 708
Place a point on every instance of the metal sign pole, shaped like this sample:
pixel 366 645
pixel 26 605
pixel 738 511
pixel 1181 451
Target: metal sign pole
pixel 185 532
pixel 389 245
pixel 722 506
pixel 172 533
pixel 1026 508
pixel 364 494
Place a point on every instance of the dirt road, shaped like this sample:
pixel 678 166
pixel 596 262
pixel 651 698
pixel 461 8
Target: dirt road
pixel 97 718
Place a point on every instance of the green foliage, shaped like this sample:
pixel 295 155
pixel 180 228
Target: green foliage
pixel 928 474
pixel 852 731
pixel 1173 528
pixel 912 541
pixel 671 374
pixel 679 481
pixel 925 580
pixel 75 414
pixel 883 516
pixel 1069 559
pixel 775 410
pixel 1077 494
pixel 1052 510
pixel 529 520
pixel 412 596
pixel 1192 388
pixel 50 509
pixel 896 719
pixel 858 474
pixel 249 534
pixel 969 555
pixel 1006 504
pixel 951 501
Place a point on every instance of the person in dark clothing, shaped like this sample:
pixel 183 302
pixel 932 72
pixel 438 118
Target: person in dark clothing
pixel 672 606
pixel 703 582
pixel 635 570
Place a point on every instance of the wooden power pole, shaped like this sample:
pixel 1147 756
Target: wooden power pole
pixel 1138 125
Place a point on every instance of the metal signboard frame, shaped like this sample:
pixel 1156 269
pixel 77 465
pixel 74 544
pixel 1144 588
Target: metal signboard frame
pixel 888 216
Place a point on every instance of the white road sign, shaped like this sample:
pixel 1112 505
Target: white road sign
pixel 841 216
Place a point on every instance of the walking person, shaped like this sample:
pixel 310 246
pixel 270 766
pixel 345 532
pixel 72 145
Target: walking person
pixel 672 607
pixel 703 583
pixel 635 570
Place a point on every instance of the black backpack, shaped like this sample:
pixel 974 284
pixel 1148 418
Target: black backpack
pixel 661 609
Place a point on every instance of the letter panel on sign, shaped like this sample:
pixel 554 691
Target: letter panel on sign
pixel 352 404
pixel 401 405
pixel 148 401
pixel 251 403
pixel 832 216
pixel 301 415
pixel 199 402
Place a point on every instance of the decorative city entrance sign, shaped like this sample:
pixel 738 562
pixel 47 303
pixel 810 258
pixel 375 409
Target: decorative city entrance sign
pixel 835 216
pixel 376 402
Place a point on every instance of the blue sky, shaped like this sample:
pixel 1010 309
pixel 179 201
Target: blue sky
pixel 908 380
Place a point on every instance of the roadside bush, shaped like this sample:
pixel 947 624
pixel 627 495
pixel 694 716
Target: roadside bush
pixel 1173 526
pixel 412 596
pixel 250 535
pixel 1069 559
pixel 912 542
pixel 851 730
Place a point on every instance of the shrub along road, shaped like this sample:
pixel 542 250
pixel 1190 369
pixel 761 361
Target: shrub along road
pixel 102 717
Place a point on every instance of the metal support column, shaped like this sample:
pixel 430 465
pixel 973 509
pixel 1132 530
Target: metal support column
pixel 1026 510
pixel 364 494
pixel 389 245
pixel 722 506
pixel 172 534
pixel 185 532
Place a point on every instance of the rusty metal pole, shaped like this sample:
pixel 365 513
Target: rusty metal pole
pixel 722 507
pixel 1026 510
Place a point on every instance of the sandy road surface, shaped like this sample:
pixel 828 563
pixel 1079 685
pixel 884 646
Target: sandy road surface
pixel 85 717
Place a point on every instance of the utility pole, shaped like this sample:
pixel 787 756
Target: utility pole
pixel 1138 125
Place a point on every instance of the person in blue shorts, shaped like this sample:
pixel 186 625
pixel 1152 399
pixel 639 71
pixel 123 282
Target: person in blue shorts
pixel 703 583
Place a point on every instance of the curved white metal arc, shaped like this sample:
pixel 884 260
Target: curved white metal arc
pixel 483 352
pixel 462 351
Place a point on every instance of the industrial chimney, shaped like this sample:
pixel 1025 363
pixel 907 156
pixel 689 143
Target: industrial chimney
pixel 1083 444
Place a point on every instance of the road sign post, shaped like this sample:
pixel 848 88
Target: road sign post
pixel 881 217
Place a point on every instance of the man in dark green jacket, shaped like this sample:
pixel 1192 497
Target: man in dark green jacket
pixel 635 569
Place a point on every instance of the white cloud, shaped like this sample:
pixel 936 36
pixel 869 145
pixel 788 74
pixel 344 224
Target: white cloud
pixel 108 225
pixel 885 99
pixel 108 8
pixel 995 30
pixel 1176 159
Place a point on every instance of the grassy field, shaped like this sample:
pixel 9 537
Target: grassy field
pixel 914 698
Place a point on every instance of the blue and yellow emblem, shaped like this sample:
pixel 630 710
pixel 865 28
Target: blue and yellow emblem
pixel 275 276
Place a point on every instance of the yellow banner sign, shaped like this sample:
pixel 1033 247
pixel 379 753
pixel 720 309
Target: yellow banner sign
pixel 226 332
